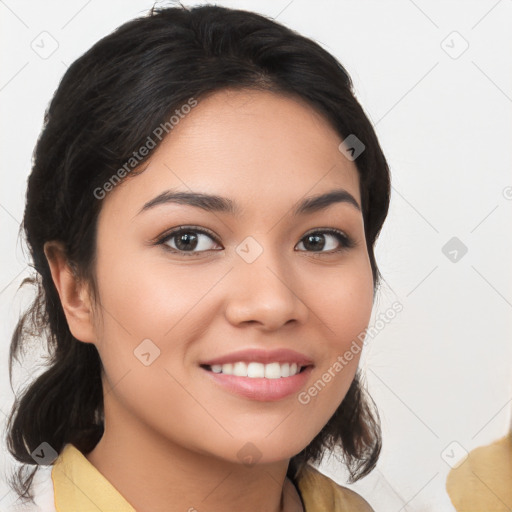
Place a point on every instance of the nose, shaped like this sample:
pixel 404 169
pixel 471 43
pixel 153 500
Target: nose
pixel 266 292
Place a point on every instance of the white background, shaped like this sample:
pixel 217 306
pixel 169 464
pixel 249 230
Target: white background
pixel 441 370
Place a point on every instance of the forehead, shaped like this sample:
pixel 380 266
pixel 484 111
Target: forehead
pixel 257 147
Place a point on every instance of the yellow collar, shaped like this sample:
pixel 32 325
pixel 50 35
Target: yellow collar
pixel 80 487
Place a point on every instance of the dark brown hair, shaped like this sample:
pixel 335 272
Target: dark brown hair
pixel 107 104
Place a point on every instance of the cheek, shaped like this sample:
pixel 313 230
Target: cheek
pixel 147 317
pixel 142 298
pixel 344 307
pixel 344 300
pixel 151 312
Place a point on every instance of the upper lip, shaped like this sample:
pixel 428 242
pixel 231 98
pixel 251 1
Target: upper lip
pixel 262 356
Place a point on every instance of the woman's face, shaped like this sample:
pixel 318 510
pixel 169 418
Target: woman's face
pixel 252 280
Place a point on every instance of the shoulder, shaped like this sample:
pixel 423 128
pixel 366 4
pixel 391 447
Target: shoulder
pixel 322 494
pixel 469 483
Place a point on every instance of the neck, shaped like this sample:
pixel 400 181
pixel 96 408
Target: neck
pixel 155 475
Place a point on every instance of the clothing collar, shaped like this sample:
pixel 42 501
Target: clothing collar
pixel 80 487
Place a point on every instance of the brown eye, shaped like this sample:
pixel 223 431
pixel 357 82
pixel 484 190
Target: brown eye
pixel 326 241
pixel 188 240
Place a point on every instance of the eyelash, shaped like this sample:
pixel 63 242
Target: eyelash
pixel 346 242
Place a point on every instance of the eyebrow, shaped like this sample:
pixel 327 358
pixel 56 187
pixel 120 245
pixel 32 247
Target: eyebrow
pixel 215 203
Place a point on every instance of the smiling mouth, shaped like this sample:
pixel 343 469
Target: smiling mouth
pixel 257 370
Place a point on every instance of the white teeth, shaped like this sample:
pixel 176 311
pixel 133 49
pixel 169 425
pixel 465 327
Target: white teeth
pixel 257 370
pixel 273 371
pixel 239 369
pixel 285 370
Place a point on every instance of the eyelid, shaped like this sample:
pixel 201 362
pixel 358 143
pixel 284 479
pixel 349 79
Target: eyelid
pixel 169 233
pixel 326 230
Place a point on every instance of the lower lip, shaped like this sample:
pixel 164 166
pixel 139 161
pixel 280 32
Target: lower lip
pixel 261 389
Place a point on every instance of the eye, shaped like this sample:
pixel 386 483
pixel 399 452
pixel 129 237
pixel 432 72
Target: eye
pixel 318 240
pixel 191 240
pixel 188 240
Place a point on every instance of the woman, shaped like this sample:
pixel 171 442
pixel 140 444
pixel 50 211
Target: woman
pixel 201 213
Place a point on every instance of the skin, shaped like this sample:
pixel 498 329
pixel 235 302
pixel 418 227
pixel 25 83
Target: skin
pixel 166 424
